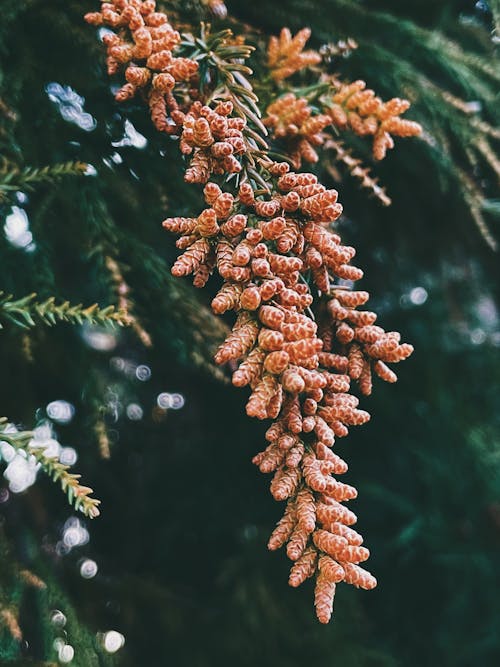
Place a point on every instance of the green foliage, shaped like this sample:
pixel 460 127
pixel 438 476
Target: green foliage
pixel 47 614
pixel 226 61
pixel 13 179
pixel 78 495
pixel 27 312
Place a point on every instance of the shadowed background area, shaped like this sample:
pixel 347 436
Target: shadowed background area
pixel 176 570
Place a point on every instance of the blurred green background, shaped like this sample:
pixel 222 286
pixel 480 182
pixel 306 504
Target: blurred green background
pixel 183 570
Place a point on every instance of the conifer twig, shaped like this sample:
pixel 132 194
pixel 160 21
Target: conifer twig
pixel 26 312
pixel 78 495
pixel 14 178
pixel 356 170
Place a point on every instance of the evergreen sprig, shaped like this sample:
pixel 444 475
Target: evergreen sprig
pixel 78 495
pixel 12 178
pixel 26 312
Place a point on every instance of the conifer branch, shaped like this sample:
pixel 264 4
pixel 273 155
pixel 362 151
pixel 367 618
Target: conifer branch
pixel 125 304
pixel 9 618
pixel 13 178
pixel 26 312
pixel 77 494
pixel 357 170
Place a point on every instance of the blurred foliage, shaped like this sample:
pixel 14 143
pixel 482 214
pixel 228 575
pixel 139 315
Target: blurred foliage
pixel 183 571
pixel 26 312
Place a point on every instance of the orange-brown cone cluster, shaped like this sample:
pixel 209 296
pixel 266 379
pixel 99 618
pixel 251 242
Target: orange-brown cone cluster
pixel 210 136
pixel 286 54
pixel 273 252
pixel 291 119
pixel 355 107
pixel 367 346
pixel 143 47
pixel 213 139
pixel 299 377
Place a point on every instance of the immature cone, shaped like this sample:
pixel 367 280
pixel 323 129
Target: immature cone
pixel 286 55
pixel 291 119
pixel 143 46
pixel 355 107
pixel 303 568
pixel 324 594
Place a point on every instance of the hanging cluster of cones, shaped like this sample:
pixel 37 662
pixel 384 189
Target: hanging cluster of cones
pixel 286 55
pixel 291 119
pixel 357 108
pixel 141 43
pixel 299 368
pixel 347 106
pixel 299 339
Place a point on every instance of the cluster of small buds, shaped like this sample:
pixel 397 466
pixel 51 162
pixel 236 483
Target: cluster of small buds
pixel 323 252
pixel 367 346
pixel 291 119
pixel 143 47
pixel 355 107
pixel 214 139
pixel 286 54
pixel 298 378
pixel 274 249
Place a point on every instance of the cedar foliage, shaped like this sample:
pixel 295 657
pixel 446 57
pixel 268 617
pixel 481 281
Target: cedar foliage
pixel 189 581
